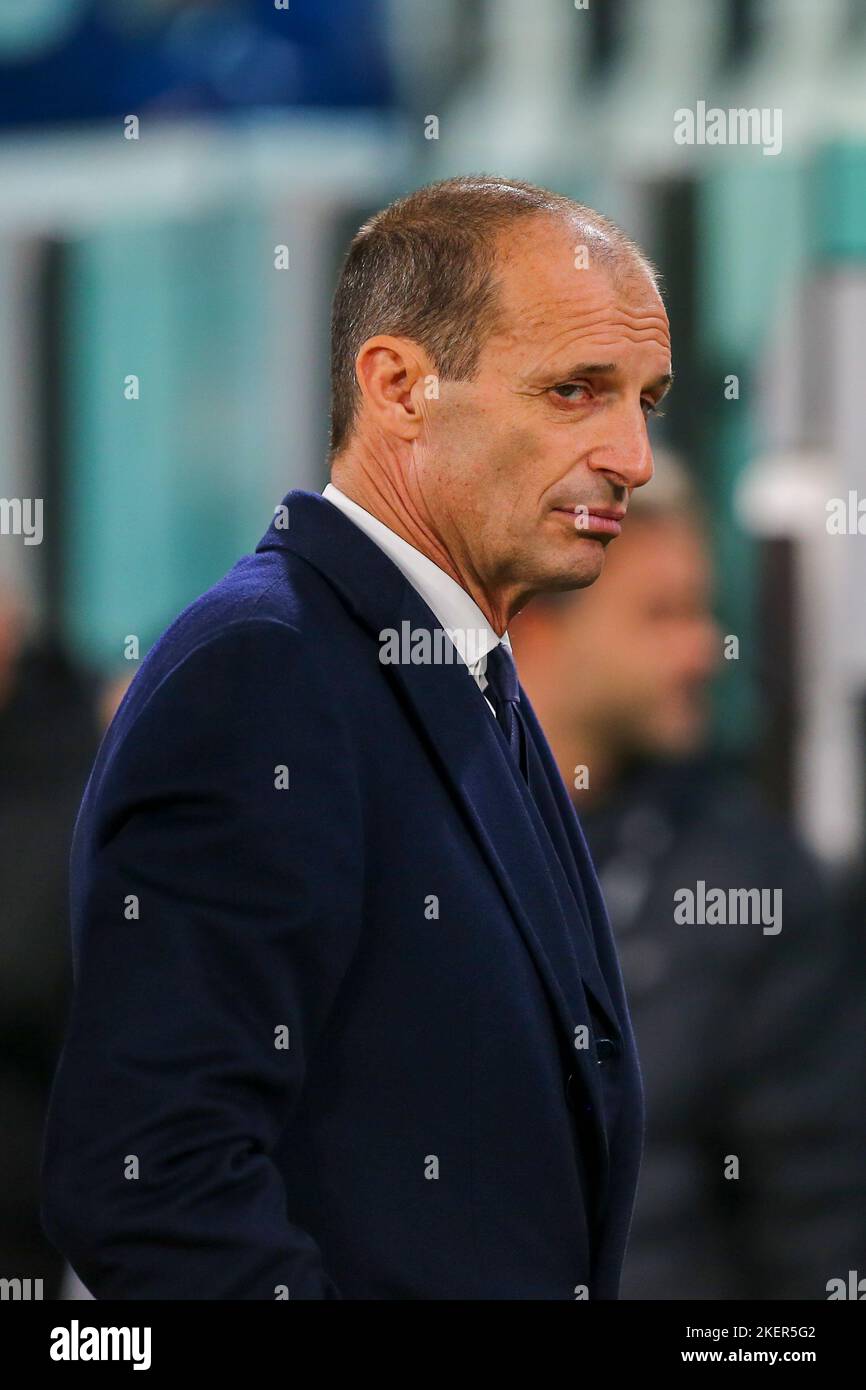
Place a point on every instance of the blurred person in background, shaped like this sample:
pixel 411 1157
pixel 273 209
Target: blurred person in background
pixel 48 737
pixel 749 1042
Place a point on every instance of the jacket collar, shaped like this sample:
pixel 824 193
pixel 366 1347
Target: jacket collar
pixel 455 610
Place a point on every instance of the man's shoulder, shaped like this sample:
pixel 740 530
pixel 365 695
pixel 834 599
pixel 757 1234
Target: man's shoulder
pixel 237 682
pixel 270 615
pixel 261 592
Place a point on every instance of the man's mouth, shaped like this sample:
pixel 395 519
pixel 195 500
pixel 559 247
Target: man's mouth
pixel 598 521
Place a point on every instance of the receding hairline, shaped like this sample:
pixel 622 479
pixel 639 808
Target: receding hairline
pixel 613 253
pixel 605 243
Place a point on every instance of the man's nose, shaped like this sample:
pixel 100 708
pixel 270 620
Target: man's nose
pixel 626 454
pixel 701 646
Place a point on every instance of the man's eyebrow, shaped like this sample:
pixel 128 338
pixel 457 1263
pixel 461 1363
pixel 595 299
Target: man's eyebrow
pixel 585 369
pixel 662 384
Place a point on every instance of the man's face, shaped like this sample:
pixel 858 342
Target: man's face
pixel 635 656
pixel 527 469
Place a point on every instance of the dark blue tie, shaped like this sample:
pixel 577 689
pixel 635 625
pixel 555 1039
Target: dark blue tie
pixel 503 692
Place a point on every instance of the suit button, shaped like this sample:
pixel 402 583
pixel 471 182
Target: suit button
pixel 605 1048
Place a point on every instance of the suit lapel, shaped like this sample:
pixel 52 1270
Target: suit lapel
pixel 584 881
pixel 551 830
pixel 472 755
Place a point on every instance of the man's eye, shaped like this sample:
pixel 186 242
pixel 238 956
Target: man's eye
pixel 650 408
pixel 568 387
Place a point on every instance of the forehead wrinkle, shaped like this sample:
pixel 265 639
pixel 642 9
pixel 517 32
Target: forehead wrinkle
pixel 612 333
pixel 581 296
pixel 636 335
pixel 555 324
pixel 574 341
pixel 567 338
pixel 554 362
pixel 580 320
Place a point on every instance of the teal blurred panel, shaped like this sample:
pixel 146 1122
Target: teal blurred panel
pixel 164 492
pixel 754 230
pixel 754 240
pixel 120 572
pixel 737 708
pixel 839 227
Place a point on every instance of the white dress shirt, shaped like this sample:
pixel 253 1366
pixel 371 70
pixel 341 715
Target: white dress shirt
pixel 455 609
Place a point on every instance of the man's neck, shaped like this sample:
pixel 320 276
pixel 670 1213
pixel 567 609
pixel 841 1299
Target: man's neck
pixel 374 490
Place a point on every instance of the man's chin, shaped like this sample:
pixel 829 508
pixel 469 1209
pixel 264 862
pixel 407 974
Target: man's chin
pixel 556 569
pixel 583 568
pixel 684 738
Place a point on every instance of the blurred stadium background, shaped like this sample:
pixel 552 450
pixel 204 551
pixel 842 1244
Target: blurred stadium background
pixel 263 127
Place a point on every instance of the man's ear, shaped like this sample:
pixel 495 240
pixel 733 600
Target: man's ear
pixel 392 376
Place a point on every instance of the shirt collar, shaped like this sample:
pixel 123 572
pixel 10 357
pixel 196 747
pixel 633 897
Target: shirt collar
pixel 455 609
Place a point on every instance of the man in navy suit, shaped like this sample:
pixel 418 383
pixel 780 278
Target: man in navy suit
pixel 348 1020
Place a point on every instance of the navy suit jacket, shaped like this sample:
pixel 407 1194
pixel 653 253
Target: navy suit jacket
pixel 348 1020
